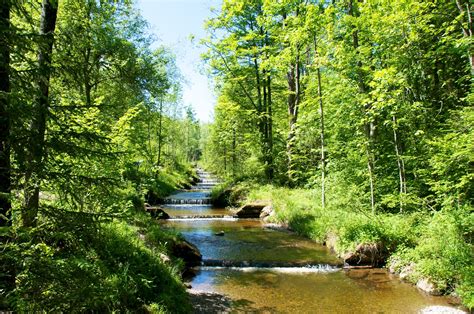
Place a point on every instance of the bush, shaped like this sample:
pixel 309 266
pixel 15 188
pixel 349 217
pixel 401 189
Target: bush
pixel 442 253
pixel 226 194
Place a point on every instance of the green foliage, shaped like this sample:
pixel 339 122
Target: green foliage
pixel 83 264
pixel 443 252
pixel 391 91
pixel 394 81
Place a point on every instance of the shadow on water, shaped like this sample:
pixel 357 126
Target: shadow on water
pixel 205 302
pixel 247 306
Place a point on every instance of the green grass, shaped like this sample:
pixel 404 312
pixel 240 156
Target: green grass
pixel 81 264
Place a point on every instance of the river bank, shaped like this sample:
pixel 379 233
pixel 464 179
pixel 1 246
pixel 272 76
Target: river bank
pixel 428 250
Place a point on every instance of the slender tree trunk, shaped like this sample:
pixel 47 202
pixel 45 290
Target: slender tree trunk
pixel 323 157
pixel 322 137
pixel 234 155
pixel 87 80
pixel 400 163
pixel 40 111
pixel 264 120
pixel 468 28
pixel 150 155
pixel 261 110
pixel 270 172
pixel 293 79
pixel 264 110
pixel 258 84
pixel 160 125
pixel 225 159
pixel 5 180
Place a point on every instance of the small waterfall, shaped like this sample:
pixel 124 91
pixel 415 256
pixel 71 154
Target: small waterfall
pixel 198 201
pixel 204 186
pixel 210 181
pixel 282 266
pixel 203 217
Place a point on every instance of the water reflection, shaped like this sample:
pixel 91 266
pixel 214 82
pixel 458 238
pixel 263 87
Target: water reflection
pixel 249 241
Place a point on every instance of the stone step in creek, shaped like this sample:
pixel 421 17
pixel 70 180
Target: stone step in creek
pixel 199 201
pixel 270 264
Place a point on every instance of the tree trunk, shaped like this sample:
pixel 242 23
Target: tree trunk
pixel 293 78
pixel 400 163
pixel 40 111
pixel 160 125
pixel 5 183
pixel 234 155
pixel 468 29
pixel 225 159
pixel 323 157
pixel 269 113
pixel 150 156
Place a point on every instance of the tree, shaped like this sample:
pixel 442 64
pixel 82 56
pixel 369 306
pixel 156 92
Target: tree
pixel 5 183
pixel 36 150
pixel 466 12
pixel 242 56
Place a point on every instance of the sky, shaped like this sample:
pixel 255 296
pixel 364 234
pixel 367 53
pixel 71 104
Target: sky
pixel 173 22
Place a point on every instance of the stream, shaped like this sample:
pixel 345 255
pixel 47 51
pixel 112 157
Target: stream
pixel 248 267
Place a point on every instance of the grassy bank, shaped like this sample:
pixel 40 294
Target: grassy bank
pixel 432 244
pixel 104 259
pixel 79 263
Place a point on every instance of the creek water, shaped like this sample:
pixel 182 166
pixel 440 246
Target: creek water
pixel 250 268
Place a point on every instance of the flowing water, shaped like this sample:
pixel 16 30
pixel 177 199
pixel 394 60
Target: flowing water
pixel 250 268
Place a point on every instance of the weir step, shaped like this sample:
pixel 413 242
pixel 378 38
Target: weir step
pixel 200 201
pixel 268 264
pixel 176 218
pixel 205 183
pixel 190 217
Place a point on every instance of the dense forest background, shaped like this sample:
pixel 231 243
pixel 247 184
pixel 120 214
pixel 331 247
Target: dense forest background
pixel 359 115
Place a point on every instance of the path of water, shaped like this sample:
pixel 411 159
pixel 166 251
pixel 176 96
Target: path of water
pixel 250 268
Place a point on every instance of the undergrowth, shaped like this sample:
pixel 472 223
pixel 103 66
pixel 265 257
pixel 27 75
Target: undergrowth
pixel 75 262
